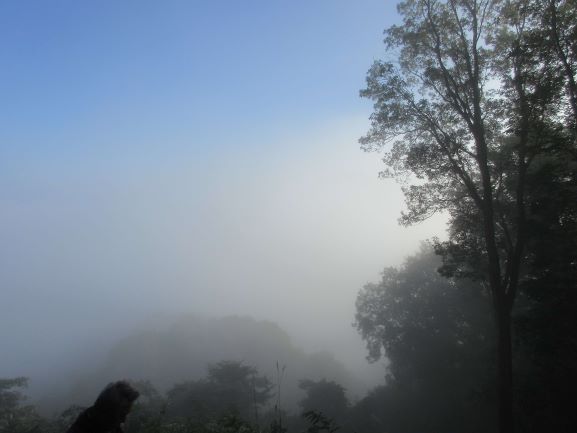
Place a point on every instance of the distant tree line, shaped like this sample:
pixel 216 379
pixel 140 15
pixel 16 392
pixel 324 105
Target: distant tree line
pixel 439 341
pixel 233 397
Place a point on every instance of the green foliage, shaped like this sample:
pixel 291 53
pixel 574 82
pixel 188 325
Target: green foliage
pixel 318 422
pixel 11 396
pixel 148 413
pixel 172 356
pixel 228 423
pixel 15 416
pixel 239 381
pixel 223 402
pixel 231 387
pixel 438 337
pixel 546 326
pixel 326 397
pixel 62 422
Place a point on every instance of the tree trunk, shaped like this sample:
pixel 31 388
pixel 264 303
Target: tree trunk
pixel 502 304
pixel 505 370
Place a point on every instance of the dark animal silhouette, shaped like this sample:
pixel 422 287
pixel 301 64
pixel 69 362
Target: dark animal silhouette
pixel 108 412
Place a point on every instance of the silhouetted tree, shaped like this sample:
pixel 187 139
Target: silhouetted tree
pixel 326 397
pixel 468 107
pixel 230 388
pixel 437 336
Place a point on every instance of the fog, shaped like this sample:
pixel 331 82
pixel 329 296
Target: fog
pixel 168 160
pixel 287 231
pixel 187 215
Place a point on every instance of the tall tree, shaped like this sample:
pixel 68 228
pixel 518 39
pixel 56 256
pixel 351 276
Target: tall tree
pixel 469 106
pixel 558 33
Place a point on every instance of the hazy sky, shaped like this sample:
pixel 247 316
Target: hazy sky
pixel 172 156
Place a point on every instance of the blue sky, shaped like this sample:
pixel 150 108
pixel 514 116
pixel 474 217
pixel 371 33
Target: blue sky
pixel 188 156
pixel 79 75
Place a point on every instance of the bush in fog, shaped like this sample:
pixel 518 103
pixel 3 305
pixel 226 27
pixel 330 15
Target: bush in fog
pixel 437 336
pixel 230 387
pixel 326 397
pixel 15 415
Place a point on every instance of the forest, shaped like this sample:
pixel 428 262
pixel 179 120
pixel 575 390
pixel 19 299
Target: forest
pixel 475 116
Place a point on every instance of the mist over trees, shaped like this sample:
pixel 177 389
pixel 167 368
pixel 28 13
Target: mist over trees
pixel 475 114
pixel 181 352
pixel 439 340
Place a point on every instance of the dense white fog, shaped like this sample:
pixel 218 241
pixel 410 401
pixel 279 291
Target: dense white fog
pixel 287 233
